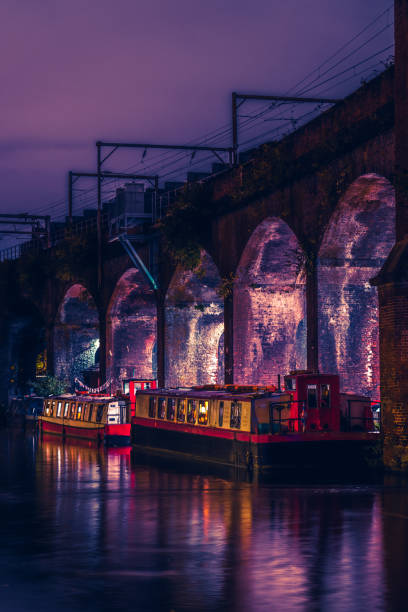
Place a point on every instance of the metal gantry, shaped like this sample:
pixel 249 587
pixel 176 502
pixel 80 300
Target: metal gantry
pixel 114 146
pixel 25 219
pixel 74 176
pixel 235 103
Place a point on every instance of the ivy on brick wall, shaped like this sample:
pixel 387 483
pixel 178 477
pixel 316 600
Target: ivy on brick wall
pixel 185 226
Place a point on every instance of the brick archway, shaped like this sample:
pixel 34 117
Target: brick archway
pixel 269 305
pixel 131 329
pixel 194 326
pixel 76 334
pixel 356 243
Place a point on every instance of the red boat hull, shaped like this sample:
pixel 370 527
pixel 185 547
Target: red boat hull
pixel 111 434
pixel 315 450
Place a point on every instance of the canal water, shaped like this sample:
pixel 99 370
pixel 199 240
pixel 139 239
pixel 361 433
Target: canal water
pixel 93 529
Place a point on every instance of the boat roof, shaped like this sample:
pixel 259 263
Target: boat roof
pixel 211 394
pixel 85 398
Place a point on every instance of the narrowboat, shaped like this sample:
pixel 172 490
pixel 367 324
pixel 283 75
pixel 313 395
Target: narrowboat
pixel 308 424
pixel 98 418
pixel 24 410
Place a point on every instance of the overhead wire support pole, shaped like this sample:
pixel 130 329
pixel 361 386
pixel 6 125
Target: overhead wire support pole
pixel 234 129
pixel 116 175
pixel 237 99
pixel 22 216
pixel 138 145
pixel 98 216
pixel 70 174
pixel 21 232
pixel 152 178
pixel 10 222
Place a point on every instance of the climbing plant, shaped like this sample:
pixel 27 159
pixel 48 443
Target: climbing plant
pixel 186 223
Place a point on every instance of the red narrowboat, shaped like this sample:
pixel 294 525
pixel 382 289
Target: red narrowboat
pixel 99 418
pixel 307 424
pixel 131 385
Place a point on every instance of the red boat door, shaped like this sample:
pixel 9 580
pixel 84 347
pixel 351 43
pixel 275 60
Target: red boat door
pixel 322 408
pixel 319 397
pixel 312 420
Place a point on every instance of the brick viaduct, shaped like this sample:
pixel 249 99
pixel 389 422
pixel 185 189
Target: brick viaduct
pixel 303 264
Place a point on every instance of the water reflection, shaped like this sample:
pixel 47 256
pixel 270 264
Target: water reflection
pixel 94 529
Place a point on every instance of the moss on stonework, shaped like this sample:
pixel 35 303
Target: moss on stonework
pixel 396 457
pixel 186 224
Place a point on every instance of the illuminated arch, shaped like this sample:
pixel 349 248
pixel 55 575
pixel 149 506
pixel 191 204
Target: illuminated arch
pixel 131 329
pixel 356 243
pixel 76 334
pixel 194 326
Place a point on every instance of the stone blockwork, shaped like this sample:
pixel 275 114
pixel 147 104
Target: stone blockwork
pixel 194 327
pixel 76 335
pixel 357 241
pixel 392 283
pixel 394 379
pixel 269 305
pixel 131 334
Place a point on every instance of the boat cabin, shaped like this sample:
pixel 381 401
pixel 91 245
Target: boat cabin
pixel 325 408
pixel 254 411
pixel 131 385
pixel 93 416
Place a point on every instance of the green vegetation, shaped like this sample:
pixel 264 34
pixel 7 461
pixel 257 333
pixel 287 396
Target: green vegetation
pixel 48 385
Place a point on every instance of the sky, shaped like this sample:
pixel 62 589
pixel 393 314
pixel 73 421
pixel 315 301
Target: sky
pixel 159 71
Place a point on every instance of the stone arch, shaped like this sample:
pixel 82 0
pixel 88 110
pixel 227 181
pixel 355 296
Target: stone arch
pixel 194 326
pixel 356 243
pixel 131 329
pixel 269 305
pixel 76 334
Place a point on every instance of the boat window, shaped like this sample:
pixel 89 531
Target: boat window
pixel 202 412
pixel 59 408
pixel 325 397
pixel 161 410
pixel 220 413
pixel 52 409
pixel 99 413
pixel 312 396
pixel 152 407
pixel 290 383
pixel 90 411
pixel 66 409
pixel 114 413
pixel 79 411
pixel 191 411
pixel 181 410
pixel 125 386
pixel 48 409
pixel 171 408
pixel 147 385
pixel 72 413
pixel 236 409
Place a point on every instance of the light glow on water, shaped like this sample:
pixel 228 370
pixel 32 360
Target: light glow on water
pixel 88 528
